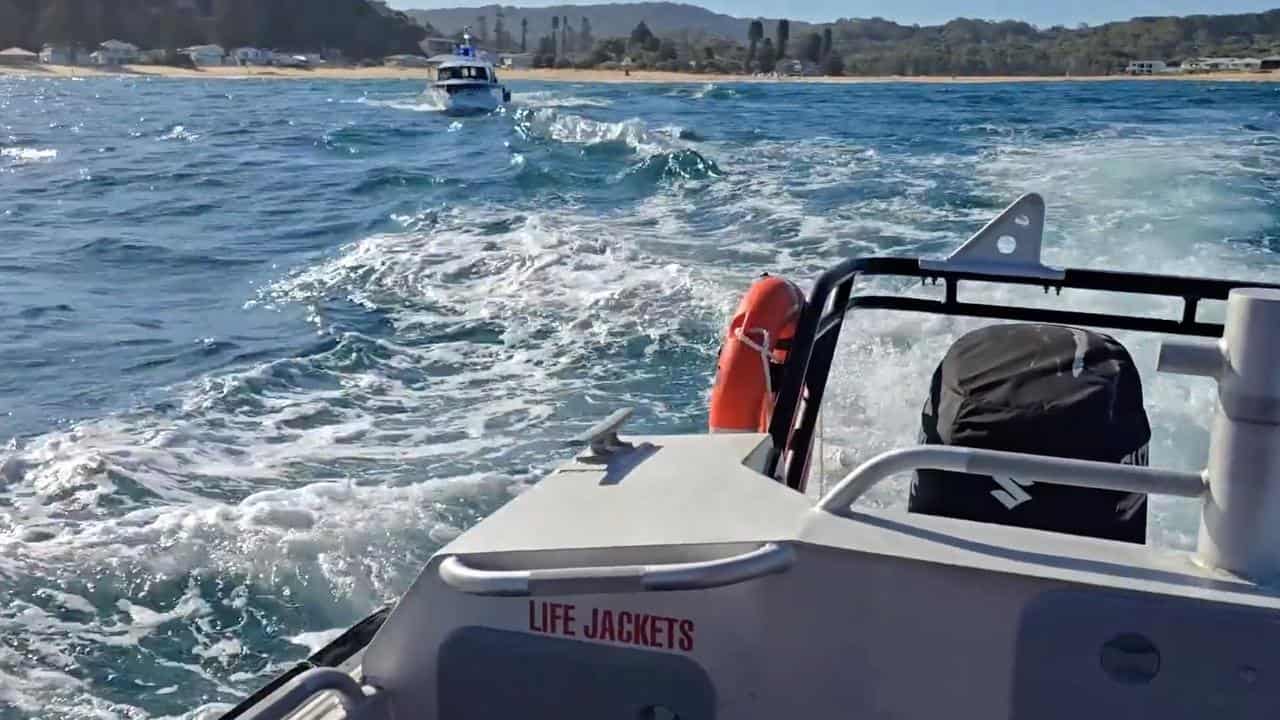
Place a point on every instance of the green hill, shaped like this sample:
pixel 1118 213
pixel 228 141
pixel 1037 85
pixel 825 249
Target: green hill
pixel 359 28
pixel 873 46
pixel 979 47
pixel 664 18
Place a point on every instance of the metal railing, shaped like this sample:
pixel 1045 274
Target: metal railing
pixel 304 688
pixel 813 349
pixel 1034 468
pixel 767 559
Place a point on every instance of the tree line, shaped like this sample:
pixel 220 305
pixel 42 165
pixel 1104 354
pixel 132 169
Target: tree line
pixel 979 47
pixel 877 46
pixel 355 27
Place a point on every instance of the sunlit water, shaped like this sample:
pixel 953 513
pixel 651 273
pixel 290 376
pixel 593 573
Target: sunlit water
pixel 264 346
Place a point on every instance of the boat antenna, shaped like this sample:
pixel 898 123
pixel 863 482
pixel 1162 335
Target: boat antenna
pixel 465 49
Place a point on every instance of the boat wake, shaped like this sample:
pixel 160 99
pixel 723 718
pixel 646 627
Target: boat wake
pixel 548 99
pixel 660 155
pixel 426 101
pixel 464 301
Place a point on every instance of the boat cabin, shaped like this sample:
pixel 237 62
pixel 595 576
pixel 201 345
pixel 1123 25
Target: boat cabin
pixel 466 73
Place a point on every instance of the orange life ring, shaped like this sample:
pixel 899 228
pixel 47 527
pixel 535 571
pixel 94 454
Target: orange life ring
pixel 758 336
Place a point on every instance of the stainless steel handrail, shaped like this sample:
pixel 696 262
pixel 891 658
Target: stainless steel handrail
pixel 1035 468
pixel 767 559
pixel 298 691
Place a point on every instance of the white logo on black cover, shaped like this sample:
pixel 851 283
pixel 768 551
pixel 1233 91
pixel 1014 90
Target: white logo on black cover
pixel 1012 495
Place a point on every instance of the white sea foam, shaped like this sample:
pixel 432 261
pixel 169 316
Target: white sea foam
pixel 429 101
pixel 316 641
pixel 22 156
pixel 554 99
pixel 1169 205
pixel 323 481
pixel 423 102
pixel 1149 206
pixel 581 130
pixel 180 132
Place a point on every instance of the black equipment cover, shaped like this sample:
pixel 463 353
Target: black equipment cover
pixel 1045 390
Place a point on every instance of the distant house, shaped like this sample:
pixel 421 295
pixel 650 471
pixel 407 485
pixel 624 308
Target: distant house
pixel 1147 67
pixel 58 55
pixel 796 68
pixel 517 61
pixel 1245 65
pixel 1208 64
pixel 153 57
pixel 250 56
pixel 18 56
pixel 114 52
pixel 437 45
pixel 407 61
pixel 1270 63
pixel 205 55
pixel 787 66
pixel 287 60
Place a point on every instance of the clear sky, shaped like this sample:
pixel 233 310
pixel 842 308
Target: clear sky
pixel 928 12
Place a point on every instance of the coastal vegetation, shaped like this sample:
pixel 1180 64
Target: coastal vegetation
pixel 660 36
pixel 356 28
pixel 875 46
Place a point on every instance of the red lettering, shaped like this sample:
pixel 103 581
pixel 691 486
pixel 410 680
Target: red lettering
pixel 686 635
pixel 642 630
pixel 606 626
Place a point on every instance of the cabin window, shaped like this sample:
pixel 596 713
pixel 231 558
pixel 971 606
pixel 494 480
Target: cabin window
pixel 464 73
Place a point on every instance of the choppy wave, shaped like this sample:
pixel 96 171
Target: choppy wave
pixel 422 102
pixel 180 132
pixel 554 99
pixel 261 383
pixel 633 133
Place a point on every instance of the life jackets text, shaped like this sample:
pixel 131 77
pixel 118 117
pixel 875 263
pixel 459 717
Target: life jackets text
pixel 609 625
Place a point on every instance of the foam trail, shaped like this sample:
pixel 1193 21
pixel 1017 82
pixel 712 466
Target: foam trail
pixel 1111 205
pixel 549 99
pixel 428 102
pixel 247 483
pixel 22 156
pixel 471 304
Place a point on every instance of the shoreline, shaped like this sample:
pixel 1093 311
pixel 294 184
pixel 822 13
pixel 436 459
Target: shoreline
pixel 591 76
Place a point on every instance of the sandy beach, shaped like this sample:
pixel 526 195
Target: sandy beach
pixel 583 76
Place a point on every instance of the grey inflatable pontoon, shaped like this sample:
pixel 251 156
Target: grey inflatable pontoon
pixel 691 576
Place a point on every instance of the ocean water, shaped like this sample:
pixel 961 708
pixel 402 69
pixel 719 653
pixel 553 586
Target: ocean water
pixel 266 345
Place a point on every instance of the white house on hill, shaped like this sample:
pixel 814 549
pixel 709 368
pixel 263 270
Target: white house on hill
pixel 251 56
pixel 205 55
pixel 57 55
pixel 18 56
pixel 1147 67
pixel 114 52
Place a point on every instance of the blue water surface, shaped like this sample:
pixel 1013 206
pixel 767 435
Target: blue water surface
pixel 265 345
